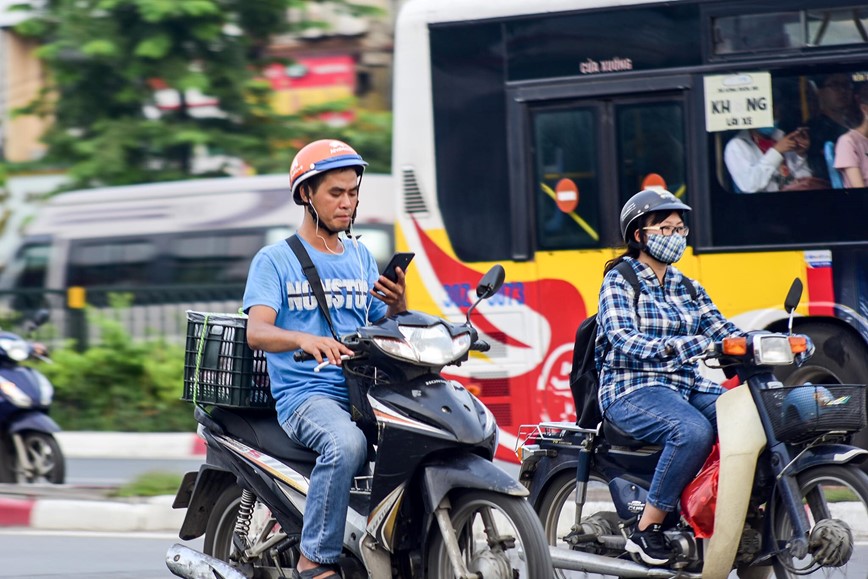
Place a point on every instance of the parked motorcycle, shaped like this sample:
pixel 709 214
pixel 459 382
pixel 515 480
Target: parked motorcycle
pixel 29 453
pixel 432 503
pixel 788 494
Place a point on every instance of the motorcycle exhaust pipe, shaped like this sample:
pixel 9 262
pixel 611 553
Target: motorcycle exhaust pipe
pixel 191 564
pixel 592 563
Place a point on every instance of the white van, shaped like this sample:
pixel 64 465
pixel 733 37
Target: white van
pixel 150 239
pixel 202 231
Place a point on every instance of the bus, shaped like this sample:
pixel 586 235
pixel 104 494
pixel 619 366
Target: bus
pixel 171 245
pixel 521 128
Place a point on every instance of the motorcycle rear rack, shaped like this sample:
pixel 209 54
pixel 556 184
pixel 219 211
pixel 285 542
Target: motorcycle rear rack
pixel 548 431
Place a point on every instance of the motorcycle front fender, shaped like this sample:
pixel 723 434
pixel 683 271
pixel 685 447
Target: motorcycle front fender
pixel 33 420
pixel 466 472
pixel 742 439
pixel 829 454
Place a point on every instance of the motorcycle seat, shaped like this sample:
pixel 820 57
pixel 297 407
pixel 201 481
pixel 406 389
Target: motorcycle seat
pixel 617 437
pixel 261 430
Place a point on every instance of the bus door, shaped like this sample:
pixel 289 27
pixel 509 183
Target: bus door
pixel 582 157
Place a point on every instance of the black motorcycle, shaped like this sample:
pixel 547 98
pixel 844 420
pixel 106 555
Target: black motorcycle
pixel 29 453
pixel 432 503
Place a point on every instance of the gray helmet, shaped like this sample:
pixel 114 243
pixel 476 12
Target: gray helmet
pixel 646 201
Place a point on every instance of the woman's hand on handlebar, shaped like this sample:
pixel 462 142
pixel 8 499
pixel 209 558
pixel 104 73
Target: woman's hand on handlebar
pixel 324 348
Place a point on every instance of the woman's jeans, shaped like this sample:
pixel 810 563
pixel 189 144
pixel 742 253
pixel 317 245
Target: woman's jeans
pixel 686 430
pixel 324 425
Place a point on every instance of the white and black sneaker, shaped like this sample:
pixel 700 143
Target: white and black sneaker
pixel 650 545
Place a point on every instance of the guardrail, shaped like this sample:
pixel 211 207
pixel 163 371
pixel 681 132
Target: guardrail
pixel 146 312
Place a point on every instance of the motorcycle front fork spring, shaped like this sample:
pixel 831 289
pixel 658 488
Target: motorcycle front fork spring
pixel 245 514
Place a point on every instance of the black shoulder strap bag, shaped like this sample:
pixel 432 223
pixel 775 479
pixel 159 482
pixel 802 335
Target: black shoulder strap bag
pixel 360 407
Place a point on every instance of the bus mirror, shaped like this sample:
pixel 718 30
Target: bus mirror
pixel 490 282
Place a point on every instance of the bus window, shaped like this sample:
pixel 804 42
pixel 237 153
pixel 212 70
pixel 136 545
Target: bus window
pixel 820 107
pixel 118 263
pixel 565 148
pixel 795 29
pixel 651 140
pixel 786 194
pixel 31 266
pixel 754 32
pixel 839 26
pixel 212 258
pixel 379 239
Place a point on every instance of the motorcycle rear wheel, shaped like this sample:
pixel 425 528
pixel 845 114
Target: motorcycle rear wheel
pixel 519 552
pixel 220 530
pixel 829 492
pixel 45 458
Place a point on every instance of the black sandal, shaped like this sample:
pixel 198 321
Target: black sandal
pixel 316 572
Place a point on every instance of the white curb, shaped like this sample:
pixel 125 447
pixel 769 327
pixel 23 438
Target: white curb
pixel 131 445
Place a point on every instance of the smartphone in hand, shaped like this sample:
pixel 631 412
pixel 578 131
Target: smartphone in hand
pixel 401 259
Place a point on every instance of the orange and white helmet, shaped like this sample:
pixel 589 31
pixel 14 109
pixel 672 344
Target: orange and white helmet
pixel 318 157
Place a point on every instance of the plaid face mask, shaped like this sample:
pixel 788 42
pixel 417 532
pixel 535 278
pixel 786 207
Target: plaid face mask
pixel 666 248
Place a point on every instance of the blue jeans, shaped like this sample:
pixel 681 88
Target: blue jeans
pixel 686 429
pixel 324 426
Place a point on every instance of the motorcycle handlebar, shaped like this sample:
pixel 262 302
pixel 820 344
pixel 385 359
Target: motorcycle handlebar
pixel 302 356
pixel 480 346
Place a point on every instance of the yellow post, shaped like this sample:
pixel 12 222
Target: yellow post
pixel 76 298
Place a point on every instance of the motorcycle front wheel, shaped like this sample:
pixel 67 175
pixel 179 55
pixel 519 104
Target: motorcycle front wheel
pixel 499 537
pixel 829 493
pixel 557 512
pixel 44 457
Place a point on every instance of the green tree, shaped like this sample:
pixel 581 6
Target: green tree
pixel 105 58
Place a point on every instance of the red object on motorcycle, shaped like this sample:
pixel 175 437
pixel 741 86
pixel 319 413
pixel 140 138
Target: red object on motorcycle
pixel 699 499
pixel 730 383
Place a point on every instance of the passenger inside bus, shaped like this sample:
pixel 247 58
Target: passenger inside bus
pixel 836 114
pixel 851 149
pixel 767 159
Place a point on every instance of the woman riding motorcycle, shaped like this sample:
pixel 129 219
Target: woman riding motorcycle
pixel 646 352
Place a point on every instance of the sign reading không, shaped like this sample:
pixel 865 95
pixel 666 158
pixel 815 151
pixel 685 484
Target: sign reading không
pixel 738 101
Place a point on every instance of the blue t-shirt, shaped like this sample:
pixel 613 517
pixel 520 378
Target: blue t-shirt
pixel 276 280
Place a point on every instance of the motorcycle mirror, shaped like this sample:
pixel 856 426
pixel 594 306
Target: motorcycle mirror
pixel 40 317
pixel 489 285
pixel 490 282
pixel 792 300
pixel 793 296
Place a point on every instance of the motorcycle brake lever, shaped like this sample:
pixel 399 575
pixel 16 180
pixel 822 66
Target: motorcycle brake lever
pixel 326 362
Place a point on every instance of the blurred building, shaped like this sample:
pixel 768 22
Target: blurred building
pixel 21 78
pixel 339 55
pixel 334 56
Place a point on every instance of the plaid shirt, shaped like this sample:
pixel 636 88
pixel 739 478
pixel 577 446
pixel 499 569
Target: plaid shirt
pixel 672 330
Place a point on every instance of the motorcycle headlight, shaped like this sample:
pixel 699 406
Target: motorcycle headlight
pixel 16 349
pixel 772 351
pixel 15 395
pixel 490 425
pixel 432 345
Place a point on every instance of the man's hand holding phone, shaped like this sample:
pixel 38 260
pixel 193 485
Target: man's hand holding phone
pixel 390 288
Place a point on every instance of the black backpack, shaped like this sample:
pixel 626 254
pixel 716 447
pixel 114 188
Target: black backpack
pixel 584 382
